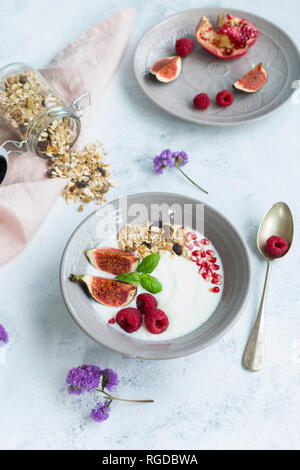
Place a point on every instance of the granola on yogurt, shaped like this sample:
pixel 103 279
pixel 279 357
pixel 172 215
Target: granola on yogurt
pixel 153 238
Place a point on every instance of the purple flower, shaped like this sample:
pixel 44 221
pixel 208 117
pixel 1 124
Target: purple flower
pixel 110 379
pixel 180 158
pixel 101 412
pixel 163 160
pixel 83 379
pixel 3 335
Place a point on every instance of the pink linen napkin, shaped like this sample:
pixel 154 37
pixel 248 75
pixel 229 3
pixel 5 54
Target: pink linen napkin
pixel 87 64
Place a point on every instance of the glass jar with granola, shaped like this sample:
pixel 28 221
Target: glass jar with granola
pixel 39 116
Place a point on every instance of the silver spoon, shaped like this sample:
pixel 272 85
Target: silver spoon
pixel 277 221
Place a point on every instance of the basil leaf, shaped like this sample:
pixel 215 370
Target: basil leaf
pixel 129 278
pixel 149 263
pixel 151 284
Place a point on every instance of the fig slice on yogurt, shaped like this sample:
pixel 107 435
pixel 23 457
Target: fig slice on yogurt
pixel 168 69
pixel 112 260
pixel 106 291
pixel 253 81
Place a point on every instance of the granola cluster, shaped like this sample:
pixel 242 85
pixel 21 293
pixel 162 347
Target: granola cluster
pixel 153 238
pixel 89 176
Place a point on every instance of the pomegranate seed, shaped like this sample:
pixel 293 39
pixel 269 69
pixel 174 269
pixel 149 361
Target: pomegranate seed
pixel 214 289
pixel 211 259
pixel 215 267
pixel 205 264
pixel 217 276
pixel 203 254
pixel 198 244
pixel 189 246
pixel 199 262
pixel 196 253
pixel 209 272
pixel 111 321
pixel 188 237
pixel 204 241
pixel 194 236
pixel 201 270
pixel 194 259
pixel 215 281
pixel 205 277
pixel 210 253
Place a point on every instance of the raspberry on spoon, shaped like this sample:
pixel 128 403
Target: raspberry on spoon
pixel 276 246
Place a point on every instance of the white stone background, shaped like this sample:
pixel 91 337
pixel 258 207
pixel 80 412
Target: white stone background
pixel 207 400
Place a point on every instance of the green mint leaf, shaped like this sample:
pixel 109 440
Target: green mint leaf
pixel 151 284
pixel 149 263
pixel 129 278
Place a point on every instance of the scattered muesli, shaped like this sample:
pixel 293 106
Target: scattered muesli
pixel 89 176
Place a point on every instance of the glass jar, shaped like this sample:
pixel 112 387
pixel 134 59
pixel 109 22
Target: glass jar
pixel 38 115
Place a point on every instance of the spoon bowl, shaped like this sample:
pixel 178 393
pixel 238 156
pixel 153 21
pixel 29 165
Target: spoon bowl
pixel 277 221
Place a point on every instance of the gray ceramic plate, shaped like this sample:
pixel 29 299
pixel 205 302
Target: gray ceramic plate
pixel 202 72
pixel 219 230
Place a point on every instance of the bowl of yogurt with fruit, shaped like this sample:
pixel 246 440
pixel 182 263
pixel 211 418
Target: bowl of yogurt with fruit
pixel 155 289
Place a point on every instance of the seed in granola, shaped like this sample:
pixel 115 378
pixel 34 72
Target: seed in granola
pixel 104 189
pixel 30 102
pixel 80 208
pixel 177 248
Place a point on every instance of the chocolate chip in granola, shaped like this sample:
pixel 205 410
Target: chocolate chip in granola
pixel 101 170
pixel 177 248
pixel 43 144
pixel 23 79
pixel 81 184
pixel 148 245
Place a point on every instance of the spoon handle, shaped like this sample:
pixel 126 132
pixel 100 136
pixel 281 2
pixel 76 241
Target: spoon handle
pixel 254 353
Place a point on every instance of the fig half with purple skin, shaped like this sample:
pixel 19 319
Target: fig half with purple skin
pixel 168 69
pixel 112 260
pixel 106 291
pixel 253 80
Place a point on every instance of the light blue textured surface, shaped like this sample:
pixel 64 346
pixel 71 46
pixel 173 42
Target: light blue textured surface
pixel 203 401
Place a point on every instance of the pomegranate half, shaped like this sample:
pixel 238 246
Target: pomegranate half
pixel 166 70
pixel 253 80
pixel 232 38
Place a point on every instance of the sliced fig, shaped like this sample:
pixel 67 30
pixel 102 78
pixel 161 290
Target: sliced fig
pixel 232 38
pixel 106 291
pixel 166 70
pixel 253 80
pixel 112 260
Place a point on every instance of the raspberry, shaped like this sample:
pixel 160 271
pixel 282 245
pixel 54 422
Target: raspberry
pixel 130 319
pixel 201 101
pixel 184 46
pixel 145 302
pixel 156 321
pixel 276 246
pixel 224 98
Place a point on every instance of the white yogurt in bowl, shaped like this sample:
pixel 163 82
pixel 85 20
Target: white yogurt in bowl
pixel 185 298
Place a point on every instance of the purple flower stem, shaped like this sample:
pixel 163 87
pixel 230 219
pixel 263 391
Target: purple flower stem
pixel 195 184
pixel 111 397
